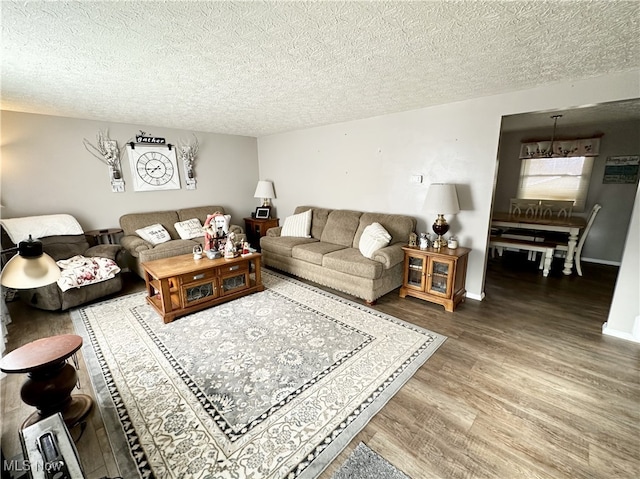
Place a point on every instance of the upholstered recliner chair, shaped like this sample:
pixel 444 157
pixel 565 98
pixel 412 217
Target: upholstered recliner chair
pixel 63 247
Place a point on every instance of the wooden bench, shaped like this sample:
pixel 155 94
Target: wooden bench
pixel 547 249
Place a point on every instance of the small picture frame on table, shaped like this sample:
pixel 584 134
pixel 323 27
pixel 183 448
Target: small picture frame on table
pixel 263 212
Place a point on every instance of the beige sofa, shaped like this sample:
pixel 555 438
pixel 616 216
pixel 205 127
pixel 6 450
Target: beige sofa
pixel 331 256
pixel 138 251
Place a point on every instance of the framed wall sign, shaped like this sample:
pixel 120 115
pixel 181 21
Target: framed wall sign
pixel 621 169
pixel 153 167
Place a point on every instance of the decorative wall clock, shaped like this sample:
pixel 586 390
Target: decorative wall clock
pixel 153 167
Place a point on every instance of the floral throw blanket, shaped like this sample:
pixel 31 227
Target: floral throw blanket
pixel 80 271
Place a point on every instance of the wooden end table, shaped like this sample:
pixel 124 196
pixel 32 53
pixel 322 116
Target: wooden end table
pixel 435 275
pixel 50 378
pixel 181 285
pixel 95 237
pixel 257 228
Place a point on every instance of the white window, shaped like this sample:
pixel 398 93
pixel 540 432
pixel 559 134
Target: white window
pixel 564 178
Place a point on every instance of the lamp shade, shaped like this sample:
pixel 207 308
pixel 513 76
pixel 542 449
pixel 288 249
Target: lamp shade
pixel 30 268
pixel 442 199
pixel 264 190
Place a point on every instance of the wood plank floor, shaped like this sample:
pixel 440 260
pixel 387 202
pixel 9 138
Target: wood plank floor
pixel 526 386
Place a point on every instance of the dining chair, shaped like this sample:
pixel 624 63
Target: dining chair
pixel 555 208
pixel 531 209
pixel 528 207
pixel 563 247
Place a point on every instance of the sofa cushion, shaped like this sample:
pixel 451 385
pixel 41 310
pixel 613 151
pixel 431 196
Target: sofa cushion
pixel 64 246
pixel 350 261
pixel 313 252
pixel 297 225
pixel 199 212
pixel 154 234
pixel 167 250
pixel 372 239
pixel 398 226
pixel 283 245
pixel 189 229
pixel 319 218
pixel 134 221
pixel 341 227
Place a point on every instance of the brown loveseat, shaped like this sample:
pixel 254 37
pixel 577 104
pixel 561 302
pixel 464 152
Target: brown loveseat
pixel 331 256
pixel 138 251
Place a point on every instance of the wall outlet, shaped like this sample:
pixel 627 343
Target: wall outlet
pixel 416 179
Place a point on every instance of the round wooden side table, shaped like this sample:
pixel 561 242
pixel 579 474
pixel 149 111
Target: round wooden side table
pixel 50 378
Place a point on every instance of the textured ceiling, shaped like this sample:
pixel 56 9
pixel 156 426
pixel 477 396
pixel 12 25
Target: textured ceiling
pixel 255 68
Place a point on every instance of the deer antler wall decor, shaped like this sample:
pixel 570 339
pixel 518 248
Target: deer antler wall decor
pixel 106 150
pixel 188 153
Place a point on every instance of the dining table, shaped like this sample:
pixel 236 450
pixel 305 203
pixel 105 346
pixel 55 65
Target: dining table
pixel 570 225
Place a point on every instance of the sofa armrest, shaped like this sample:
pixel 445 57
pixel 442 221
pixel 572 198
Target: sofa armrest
pixel 109 251
pixel 274 232
pixel 239 230
pixel 134 243
pixel 389 256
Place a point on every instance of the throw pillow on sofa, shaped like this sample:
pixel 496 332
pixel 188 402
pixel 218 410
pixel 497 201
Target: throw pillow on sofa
pixel 298 225
pixel 189 229
pixel 373 238
pixel 154 234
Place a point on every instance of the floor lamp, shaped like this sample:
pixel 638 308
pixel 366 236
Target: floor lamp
pixel 50 379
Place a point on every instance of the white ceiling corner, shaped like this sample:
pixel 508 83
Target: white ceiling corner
pixel 256 68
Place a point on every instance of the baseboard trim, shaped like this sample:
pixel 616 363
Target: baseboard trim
pixel 477 297
pixel 635 336
pixel 600 261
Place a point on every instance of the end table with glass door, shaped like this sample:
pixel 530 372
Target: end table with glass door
pixel 435 275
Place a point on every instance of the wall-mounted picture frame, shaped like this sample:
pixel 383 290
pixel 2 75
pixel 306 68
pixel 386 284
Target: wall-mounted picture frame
pixel 263 212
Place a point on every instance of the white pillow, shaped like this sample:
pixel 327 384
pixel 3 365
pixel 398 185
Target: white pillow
pixel 189 229
pixel 373 238
pixel 154 234
pixel 297 225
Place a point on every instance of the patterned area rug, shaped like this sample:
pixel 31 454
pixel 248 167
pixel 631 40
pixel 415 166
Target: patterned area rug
pixel 272 385
pixel 363 463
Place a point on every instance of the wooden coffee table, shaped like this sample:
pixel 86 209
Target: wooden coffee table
pixel 181 285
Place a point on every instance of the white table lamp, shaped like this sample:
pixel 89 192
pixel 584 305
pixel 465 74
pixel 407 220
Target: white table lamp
pixel 265 191
pixel 442 199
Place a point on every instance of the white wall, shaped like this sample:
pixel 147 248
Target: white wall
pixel 367 164
pixel 624 315
pixel 46 170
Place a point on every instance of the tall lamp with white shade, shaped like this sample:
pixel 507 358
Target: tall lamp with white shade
pixel 442 199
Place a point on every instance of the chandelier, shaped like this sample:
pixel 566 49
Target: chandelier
pixel 554 148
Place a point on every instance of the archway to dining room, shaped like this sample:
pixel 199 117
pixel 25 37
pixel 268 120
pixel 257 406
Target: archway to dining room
pixel 611 184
